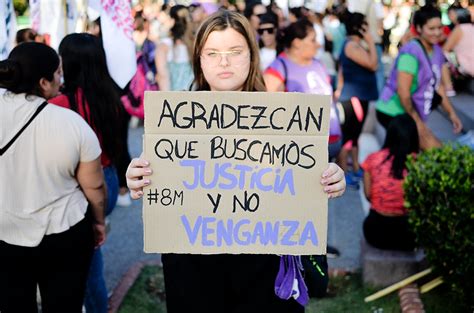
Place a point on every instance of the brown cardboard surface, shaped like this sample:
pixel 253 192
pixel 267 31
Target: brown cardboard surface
pixel 258 156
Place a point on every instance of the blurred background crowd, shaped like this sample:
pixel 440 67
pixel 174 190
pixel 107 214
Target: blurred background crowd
pixel 398 59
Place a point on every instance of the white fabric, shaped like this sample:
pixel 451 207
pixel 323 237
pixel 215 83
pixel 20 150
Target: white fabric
pixel 267 56
pixel 180 53
pixel 8 28
pixel 35 14
pixel 320 39
pixel 39 194
pixel 318 6
pixel 117 28
pixel 169 43
pixel 56 18
pixel 177 53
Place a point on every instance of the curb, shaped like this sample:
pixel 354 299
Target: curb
pixel 127 281
pixel 410 301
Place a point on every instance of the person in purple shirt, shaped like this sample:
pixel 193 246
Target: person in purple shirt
pixel 416 76
pixel 296 70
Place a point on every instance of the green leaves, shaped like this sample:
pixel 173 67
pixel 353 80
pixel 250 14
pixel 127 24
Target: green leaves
pixel 440 197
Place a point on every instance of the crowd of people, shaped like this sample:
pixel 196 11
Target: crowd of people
pixel 56 231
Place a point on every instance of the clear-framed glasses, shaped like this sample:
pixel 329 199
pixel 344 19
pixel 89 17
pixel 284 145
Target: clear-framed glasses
pixel 234 57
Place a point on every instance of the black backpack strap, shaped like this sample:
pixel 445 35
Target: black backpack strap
pixel 38 110
pixel 429 62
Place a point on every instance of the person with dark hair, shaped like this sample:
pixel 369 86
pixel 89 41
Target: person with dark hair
pixel 52 199
pixel 414 85
pixel 225 58
pixel 461 42
pixel 253 11
pixel 374 16
pixel 458 15
pixel 296 70
pixel 89 91
pixel 173 55
pixel 267 31
pixel 295 14
pixel 25 35
pixel 386 226
pixel 357 85
pixel 123 157
pixel 463 16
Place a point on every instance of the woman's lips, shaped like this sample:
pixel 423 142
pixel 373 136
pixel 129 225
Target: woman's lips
pixel 224 75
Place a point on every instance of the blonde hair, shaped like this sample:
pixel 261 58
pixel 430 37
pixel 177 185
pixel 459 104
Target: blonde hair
pixel 220 21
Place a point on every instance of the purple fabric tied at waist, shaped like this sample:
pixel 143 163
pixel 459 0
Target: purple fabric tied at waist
pixel 289 281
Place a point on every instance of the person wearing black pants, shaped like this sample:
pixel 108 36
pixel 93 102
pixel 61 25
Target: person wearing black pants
pixel 58 265
pixel 389 232
pixel 52 194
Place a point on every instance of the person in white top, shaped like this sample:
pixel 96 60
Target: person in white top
pixel 268 32
pixel 461 42
pixel 52 193
pixel 172 58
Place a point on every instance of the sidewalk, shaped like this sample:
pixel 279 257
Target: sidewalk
pixel 124 246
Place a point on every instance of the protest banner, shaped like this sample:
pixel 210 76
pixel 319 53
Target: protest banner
pixel 236 172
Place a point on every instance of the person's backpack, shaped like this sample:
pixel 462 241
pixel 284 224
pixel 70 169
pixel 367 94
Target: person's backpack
pixel 143 80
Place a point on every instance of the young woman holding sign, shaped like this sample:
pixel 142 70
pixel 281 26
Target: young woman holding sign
pixel 225 58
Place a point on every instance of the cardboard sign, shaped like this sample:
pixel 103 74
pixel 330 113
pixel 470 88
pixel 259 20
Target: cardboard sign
pixel 236 172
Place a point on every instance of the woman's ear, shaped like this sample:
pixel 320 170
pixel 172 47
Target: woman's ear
pixel 43 84
pixel 418 29
pixel 296 43
pixel 45 87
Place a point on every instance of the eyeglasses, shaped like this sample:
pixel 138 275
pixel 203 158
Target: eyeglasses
pixel 270 31
pixel 236 57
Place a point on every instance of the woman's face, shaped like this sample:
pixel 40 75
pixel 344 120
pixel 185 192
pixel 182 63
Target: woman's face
pixel 51 88
pixel 308 46
pixel 267 33
pixel 255 17
pixel 431 31
pixel 225 60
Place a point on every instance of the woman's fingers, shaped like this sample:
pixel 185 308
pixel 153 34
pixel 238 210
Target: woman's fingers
pixel 332 174
pixel 333 181
pixel 457 125
pixel 136 177
pixel 336 190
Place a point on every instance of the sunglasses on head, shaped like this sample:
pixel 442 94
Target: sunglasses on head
pixel 268 30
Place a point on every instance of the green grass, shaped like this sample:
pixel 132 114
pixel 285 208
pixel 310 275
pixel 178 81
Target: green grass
pixel 146 294
pixel 346 294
